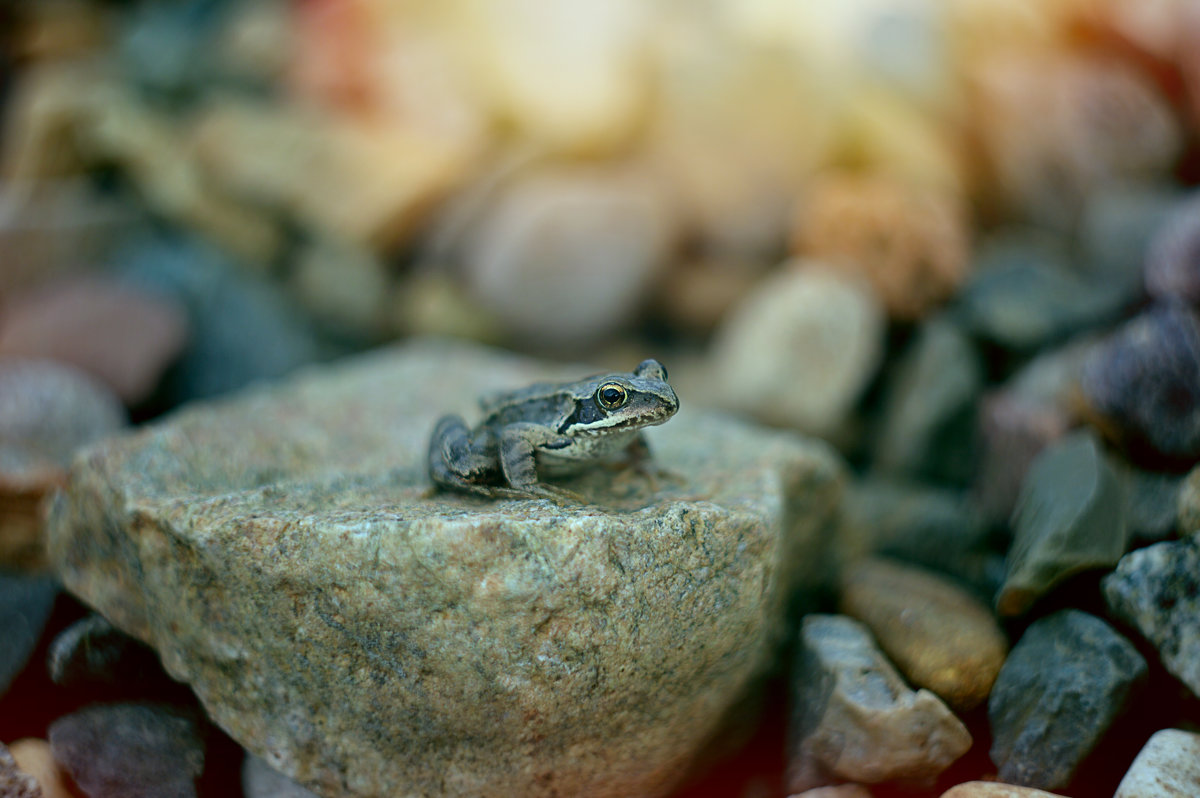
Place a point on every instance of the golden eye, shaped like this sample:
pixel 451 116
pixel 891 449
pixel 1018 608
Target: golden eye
pixel 611 395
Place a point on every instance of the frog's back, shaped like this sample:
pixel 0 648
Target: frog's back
pixel 543 403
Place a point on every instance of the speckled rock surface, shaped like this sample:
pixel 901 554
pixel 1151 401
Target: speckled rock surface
pixel 938 635
pixel 993 789
pixel 1157 591
pixel 1060 689
pixel 283 553
pixel 14 782
pixel 854 718
pixel 1168 766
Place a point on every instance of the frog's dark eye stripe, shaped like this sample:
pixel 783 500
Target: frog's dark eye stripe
pixel 611 395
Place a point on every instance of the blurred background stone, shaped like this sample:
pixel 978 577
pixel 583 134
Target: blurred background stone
pixel 1173 258
pixel 1189 503
pixel 25 604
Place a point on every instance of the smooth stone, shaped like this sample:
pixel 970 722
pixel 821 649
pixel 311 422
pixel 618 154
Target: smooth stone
pixel 92 651
pixel 1189 503
pixel 1173 257
pixel 1064 682
pixel 25 605
pixel 1168 766
pixel 368 182
pixel 124 338
pixel 567 257
pixel 1070 517
pixel 930 526
pixel 854 718
pixel 344 286
pixel 910 242
pixel 260 780
pixel 1153 499
pixel 1145 380
pixel 795 324
pixel 33 756
pixel 929 412
pixel 1157 591
pixel 939 636
pixel 284 554
pixel 243 329
pixel 1028 305
pixel 993 789
pixel 47 412
pixel 130 750
pixel 15 782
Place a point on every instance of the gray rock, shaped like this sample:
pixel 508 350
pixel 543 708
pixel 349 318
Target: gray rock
pixel 1153 499
pixel 929 412
pixel 14 782
pixel 130 750
pixel 260 780
pixel 285 555
pixel 242 329
pixel 1189 503
pixel 1061 687
pixel 1173 259
pixel 1117 227
pixel 1070 518
pixel 93 651
pixel 25 604
pixel 1145 379
pixel 1157 591
pixel 854 718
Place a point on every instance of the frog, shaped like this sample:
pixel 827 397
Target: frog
pixel 550 430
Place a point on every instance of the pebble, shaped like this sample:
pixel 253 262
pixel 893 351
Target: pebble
pixel 343 286
pixel 1189 503
pixel 132 750
pixel 1173 258
pixel 34 757
pixel 1065 681
pixel 47 412
pixel 93 651
pixel 908 241
pixel 839 791
pixel 1153 504
pixel 994 789
pixel 938 635
pixel 25 605
pixel 123 337
pixel 260 780
pixel 854 719
pixel 1116 230
pixel 1070 517
pixel 925 525
pixel 796 324
pixel 929 411
pixel 1157 590
pixel 15 782
pixel 1168 766
pixel 227 307
pixel 567 257
pixel 1145 379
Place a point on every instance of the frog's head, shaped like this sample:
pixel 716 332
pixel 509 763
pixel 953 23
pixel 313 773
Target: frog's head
pixel 624 401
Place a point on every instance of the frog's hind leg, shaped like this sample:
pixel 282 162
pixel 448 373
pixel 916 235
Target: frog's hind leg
pixel 456 461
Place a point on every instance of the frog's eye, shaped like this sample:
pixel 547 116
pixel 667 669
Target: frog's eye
pixel 611 395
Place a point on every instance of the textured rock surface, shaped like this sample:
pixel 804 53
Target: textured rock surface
pixel 854 719
pixel 1157 590
pixel 282 552
pixel 936 633
pixel 1070 517
pixel 1063 684
pixel 15 782
pixel 992 789
pixel 25 604
pixel 1168 766
pixel 130 750
pixel 793 326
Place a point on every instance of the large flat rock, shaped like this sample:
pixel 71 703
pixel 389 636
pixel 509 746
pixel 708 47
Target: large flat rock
pixel 284 553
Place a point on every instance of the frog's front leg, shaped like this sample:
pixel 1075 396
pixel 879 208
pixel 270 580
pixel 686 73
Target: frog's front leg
pixel 518 442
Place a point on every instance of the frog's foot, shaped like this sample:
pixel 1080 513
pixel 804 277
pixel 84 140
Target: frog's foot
pixel 455 461
pixel 539 490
